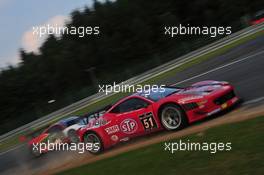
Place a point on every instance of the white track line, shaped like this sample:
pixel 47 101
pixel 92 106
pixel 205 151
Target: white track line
pixel 254 101
pixel 2 153
pixel 220 67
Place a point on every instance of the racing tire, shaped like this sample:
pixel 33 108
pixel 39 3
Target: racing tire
pixel 173 117
pixel 93 138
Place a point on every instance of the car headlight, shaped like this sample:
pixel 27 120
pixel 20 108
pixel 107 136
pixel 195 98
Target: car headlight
pixel 201 103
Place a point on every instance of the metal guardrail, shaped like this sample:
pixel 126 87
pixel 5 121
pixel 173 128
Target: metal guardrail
pixel 137 79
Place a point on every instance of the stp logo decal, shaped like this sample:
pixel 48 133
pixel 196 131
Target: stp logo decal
pixel 129 126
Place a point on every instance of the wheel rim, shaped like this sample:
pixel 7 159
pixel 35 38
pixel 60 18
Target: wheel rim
pixel 171 118
pixel 93 138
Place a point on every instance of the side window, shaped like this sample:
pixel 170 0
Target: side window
pixel 130 105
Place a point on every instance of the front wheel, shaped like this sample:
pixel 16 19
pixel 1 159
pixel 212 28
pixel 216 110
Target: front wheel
pixel 94 141
pixel 173 117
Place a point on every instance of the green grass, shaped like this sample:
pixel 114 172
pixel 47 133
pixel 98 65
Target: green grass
pixel 13 141
pixel 9 143
pixel 245 157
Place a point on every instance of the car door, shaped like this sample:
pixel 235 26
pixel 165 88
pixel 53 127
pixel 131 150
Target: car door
pixel 134 117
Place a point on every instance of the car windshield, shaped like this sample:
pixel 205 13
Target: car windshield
pixel 159 93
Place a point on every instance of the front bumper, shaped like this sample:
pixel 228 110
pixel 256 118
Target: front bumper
pixel 215 104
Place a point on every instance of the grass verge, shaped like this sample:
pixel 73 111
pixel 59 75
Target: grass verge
pixel 245 157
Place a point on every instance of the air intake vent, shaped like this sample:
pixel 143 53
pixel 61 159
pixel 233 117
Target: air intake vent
pixel 225 98
pixel 190 106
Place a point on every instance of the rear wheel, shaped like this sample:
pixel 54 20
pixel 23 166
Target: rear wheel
pixel 173 117
pixel 94 141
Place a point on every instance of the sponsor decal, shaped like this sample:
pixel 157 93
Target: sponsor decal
pixel 128 126
pixel 101 122
pixel 124 139
pixel 148 121
pixel 112 129
pixel 96 123
pixel 214 111
pixel 114 138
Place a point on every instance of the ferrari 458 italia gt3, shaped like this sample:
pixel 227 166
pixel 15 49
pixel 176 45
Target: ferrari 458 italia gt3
pixel 171 108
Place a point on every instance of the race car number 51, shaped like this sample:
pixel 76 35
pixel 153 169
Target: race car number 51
pixel 148 121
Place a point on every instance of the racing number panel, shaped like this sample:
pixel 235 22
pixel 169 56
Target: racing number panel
pixel 148 121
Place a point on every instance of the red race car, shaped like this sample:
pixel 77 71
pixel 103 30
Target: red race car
pixel 169 108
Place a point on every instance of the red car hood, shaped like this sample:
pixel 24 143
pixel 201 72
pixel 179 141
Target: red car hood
pixel 198 90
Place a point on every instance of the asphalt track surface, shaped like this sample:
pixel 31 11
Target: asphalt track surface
pixel 242 66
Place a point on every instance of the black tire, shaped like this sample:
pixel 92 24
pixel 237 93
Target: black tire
pixel 73 136
pixel 172 117
pixel 92 137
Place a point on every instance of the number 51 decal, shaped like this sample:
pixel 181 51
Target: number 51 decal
pixel 148 121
